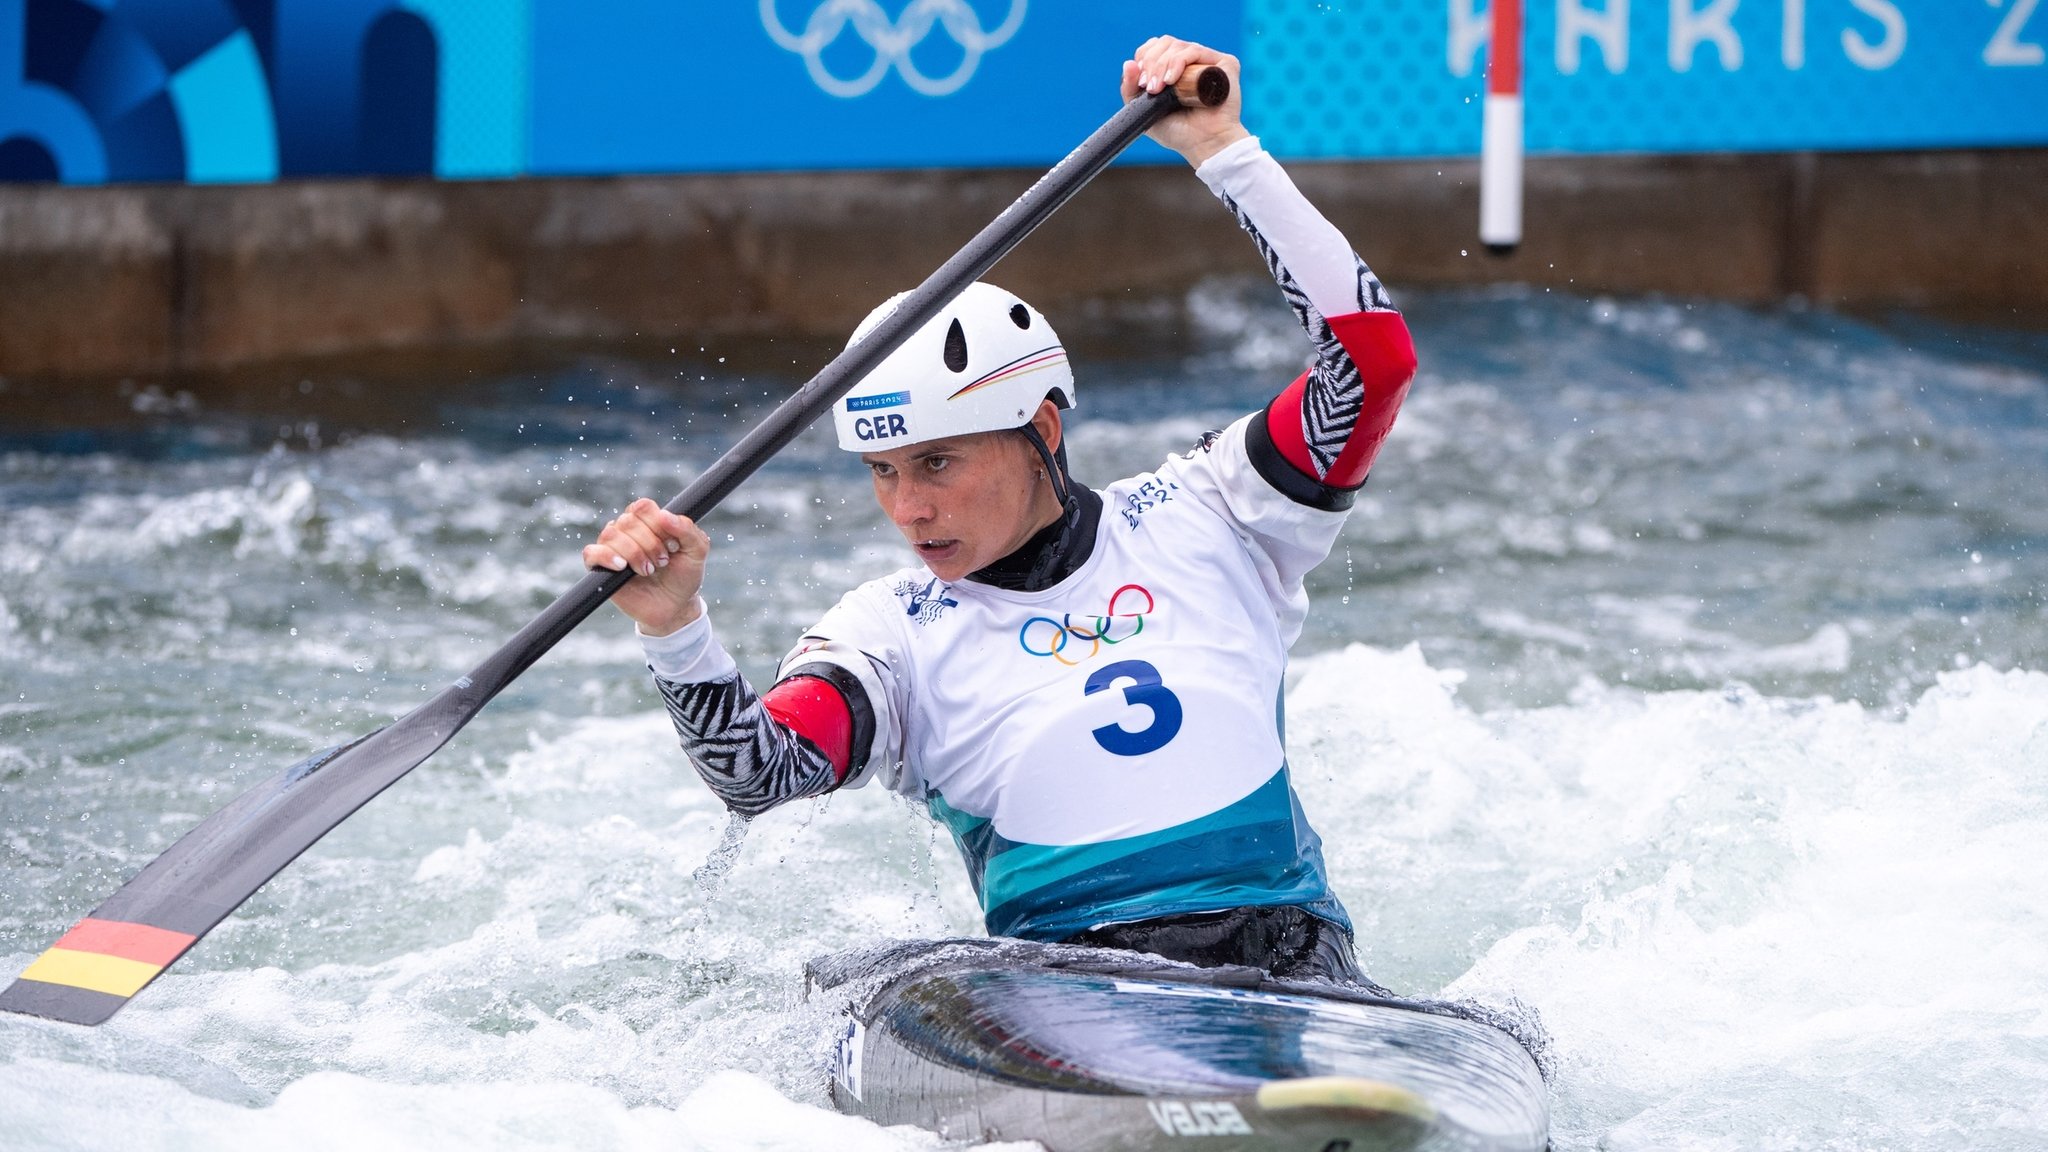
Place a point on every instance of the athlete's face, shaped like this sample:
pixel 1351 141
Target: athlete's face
pixel 967 501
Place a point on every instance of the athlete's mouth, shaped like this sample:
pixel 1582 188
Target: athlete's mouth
pixel 935 547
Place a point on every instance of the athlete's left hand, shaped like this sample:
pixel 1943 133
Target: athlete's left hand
pixel 1195 133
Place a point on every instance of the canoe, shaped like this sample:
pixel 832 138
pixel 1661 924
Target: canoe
pixel 1083 1049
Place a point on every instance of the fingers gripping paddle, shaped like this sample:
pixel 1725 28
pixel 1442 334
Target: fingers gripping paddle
pixel 112 954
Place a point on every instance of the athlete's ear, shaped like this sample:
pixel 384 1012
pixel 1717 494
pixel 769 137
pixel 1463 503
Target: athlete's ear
pixel 1047 421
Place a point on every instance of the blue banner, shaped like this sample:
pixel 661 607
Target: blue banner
pixel 655 85
pixel 98 91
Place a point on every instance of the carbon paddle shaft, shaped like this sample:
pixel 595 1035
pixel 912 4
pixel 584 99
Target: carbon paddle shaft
pixel 177 898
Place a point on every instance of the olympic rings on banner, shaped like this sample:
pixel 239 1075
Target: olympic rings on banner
pixel 892 41
pixel 1113 627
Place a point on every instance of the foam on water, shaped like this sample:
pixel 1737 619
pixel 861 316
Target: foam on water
pixel 333 1110
pixel 1748 922
pixel 1677 675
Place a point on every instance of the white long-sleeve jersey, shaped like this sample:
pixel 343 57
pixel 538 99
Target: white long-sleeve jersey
pixel 1109 748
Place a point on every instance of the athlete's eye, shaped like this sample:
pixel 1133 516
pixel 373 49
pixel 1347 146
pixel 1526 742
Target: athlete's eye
pixel 880 469
pixel 935 463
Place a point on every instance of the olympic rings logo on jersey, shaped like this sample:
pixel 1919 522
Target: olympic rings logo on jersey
pixel 892 41
pixel 1044 636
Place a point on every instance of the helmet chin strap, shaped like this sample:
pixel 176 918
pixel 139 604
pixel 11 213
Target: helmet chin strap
pixel 1058 549
pixel 1055 466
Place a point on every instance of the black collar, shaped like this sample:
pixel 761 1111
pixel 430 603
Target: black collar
pixel 1057 551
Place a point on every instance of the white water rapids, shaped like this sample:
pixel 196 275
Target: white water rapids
pixel 1680 673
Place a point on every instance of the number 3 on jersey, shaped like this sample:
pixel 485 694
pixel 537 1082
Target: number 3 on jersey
pixel 1147 691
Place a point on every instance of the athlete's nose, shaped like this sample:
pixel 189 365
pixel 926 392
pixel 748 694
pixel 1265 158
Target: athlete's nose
pixel 907 504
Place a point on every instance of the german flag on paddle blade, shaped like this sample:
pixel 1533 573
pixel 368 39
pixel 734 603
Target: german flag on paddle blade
pixel 93 969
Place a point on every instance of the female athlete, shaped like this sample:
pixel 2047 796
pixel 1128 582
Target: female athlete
pixel 1082 685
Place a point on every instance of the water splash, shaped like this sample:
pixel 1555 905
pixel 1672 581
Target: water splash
pixel 710 877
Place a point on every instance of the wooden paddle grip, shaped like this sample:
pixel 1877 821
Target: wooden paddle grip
pixel 1205 87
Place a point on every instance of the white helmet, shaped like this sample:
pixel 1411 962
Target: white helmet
pixel 981 365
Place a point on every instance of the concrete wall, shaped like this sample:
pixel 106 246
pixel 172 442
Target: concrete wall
pixel 172 280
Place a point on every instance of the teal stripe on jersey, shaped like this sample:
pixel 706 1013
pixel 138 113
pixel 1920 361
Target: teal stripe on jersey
pixel 1019 868
pixel 1258 851
pixel 975 836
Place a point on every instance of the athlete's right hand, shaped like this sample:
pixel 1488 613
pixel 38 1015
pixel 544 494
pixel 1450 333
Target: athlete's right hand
pixel 1195 133
pixel 666 555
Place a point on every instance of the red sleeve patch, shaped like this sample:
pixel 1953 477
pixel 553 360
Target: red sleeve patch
pixel 814 710
pixel 1378 342
pixel 1283 424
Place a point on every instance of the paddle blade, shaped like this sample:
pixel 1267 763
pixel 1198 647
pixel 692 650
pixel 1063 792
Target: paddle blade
pixel 93 969
pixel 106 958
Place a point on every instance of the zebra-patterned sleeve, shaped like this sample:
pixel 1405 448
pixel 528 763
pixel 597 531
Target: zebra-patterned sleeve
pixel 751 759
pixel 752 762
pixel 1331 422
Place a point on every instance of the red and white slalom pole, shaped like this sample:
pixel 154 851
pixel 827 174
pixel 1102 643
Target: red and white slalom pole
pixel 1500 142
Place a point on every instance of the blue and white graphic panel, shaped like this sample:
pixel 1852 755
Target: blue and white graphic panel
pixel 94 91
